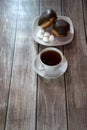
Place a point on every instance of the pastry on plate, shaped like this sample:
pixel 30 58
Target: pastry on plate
pixel 61 28
pixel 47 18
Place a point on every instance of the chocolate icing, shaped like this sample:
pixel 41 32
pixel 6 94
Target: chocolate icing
pixel 62 27
pixel 46 16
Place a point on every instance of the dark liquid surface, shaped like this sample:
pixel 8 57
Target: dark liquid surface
pixel 51 58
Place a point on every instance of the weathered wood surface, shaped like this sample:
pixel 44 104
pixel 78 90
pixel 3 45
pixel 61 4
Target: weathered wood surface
pixel 28 101
pixel 76 76
pixel 85 16
pixel 22 98
pixel 8 16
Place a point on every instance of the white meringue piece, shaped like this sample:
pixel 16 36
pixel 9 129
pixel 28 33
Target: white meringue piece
pixel 41 31
pixel 51 38
pixel 45 39
pixel 40 35
pixel 46 34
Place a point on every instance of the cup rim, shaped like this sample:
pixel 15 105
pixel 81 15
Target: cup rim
pixel 54 49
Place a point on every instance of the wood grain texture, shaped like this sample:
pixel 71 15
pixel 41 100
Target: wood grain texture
pixel 76 76
pixel 22 99
pixel 85 16
pixel 28 101
pixel 51 105
pixel 8 18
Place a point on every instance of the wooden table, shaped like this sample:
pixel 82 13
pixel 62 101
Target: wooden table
pixel 27 101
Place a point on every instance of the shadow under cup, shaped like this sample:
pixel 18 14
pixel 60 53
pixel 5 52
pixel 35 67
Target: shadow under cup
pixel 51 58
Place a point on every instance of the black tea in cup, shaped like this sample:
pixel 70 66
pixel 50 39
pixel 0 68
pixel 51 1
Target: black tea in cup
pixel 51 57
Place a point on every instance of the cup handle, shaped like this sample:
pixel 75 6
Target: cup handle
pixel 41 68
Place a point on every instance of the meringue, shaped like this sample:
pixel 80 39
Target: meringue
pixel 46 34
pixel 51 38
pixel 40 35
pixel 45 39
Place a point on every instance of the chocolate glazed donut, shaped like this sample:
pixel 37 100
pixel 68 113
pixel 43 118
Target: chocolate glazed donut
pixel 47 18
pixel 60 28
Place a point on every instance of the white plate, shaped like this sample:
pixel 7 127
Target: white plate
pixel 57 73
pixel 57 41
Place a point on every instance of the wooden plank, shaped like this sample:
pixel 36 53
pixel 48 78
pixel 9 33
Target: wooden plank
pixel 76 76
pixel 85 15
pixel 8 18
pixel 22 100
pixel 51 105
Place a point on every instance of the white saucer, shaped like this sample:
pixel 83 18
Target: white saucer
pixel 58 41
pixel 57 73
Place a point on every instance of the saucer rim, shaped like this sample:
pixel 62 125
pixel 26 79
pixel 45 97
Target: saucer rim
pixel 48 76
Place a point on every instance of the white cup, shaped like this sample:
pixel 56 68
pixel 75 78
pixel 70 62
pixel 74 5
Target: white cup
pixel 51 59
